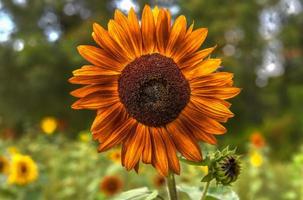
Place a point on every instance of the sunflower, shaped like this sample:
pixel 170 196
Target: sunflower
pixel 115 156
pixel 23 170
pixel 4 165
pixel 49 125
pixel 257 140
pixel 159 180
pixel 154 91
pixel 111 185
pixel 256 159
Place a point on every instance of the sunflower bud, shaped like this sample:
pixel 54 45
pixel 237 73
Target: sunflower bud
pixel 224 167
pixel 227 169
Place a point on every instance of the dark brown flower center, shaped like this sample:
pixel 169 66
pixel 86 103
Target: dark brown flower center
pixel 23 168
pixel 231 167
pixel 153 90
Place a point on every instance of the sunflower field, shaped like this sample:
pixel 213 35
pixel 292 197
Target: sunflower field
pixel 151 99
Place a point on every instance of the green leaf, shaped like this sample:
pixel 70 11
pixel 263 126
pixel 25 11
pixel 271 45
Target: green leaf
pixel 193 192
pixel 207 178
pixel 222 193
pixel 137 194
pixel 211 198
pixel 152 196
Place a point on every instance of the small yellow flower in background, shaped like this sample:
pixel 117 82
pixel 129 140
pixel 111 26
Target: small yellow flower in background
pixel 23 170
pixel 84 136
pixel 115 156
pixel 49 125
pixel 204 169
pixel 256 159
pixel 12 150
pixel 4 165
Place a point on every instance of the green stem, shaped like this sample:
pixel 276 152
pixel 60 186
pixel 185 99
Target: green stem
pixel 171 186
pixel 159 197
pixel 205 191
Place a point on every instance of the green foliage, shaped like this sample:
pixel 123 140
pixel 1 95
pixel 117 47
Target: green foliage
pixel 73 170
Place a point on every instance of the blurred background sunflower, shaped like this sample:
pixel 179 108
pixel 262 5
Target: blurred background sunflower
pixel 22 170
pixel 259 41
pixel 4 165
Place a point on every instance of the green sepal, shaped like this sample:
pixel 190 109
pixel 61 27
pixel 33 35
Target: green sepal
pixel 207 178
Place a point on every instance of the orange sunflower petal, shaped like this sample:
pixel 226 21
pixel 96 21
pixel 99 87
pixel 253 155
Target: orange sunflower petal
pixel 148 30
pixel 193 60
pixel 177 34
pixel 200 120
pixel 135 147
pixel 118 135
pixel 91 70
pixel 89 89
pixel 160 159
pixel 189 30
pixel 205 67
pixel 118 34
pixel 212 107
pixel 191 44
pixel 216 92
pixel 155 13
pixel 135 29
pixel 173 160
pixel 107 118
pixel 185 144
pixel 102 37
pixel 97 100
pixel 147 151
pixel 197 130
pixel 125 144
pixel 217 79
pixel 129 36
pixel 99 57
pixel 162 30
pixel 90 74
pixel 194 105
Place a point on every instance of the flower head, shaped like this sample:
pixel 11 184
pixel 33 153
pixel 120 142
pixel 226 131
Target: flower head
pixel 115 156
pixel 12 150
pixel 256 159
pixel 224 166
pixel 84 136
pixel 154 91
pixel 111 185
pixel 227 169
pixel 23 170
pixel 159 180
pixel 4 165
pixel 257 140
pixel 49 125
